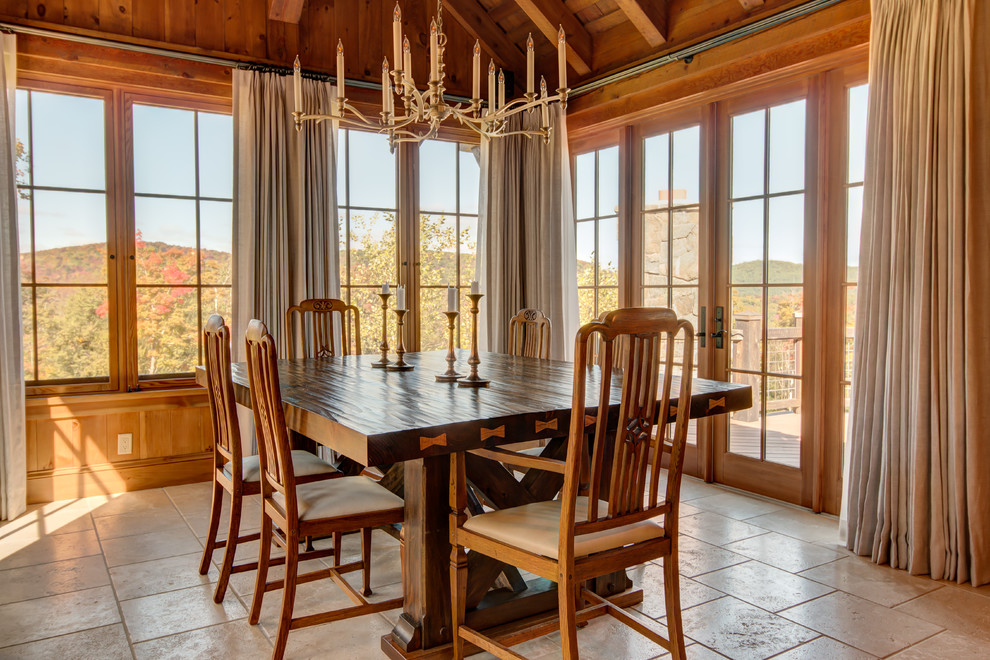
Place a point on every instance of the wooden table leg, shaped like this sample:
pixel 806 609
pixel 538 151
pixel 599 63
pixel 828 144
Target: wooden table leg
pixel 425 620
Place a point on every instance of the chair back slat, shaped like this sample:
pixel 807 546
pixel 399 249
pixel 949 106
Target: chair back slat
pixel 640 344
pixel 274 453
pixel 318 320
pixel 529 334
pixel 220 392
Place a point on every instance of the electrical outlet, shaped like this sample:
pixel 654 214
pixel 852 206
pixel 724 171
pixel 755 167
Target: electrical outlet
pixel 125 443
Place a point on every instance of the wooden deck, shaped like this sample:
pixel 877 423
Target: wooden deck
pixel 783 443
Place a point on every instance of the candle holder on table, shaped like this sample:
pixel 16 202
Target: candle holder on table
pixel 400 364
pixel 451 374
pixel 473 380
pixel 383 347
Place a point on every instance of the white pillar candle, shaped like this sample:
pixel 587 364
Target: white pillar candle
pixel 530 65
pixel 340 70
pixel 543 94
pixel 491 87
pixel 406 61
pixel 451 299
pixel 501 89
pixel 400 297
pixel 562 58
pixel 397 36
pixel 476 68
pixel 297 84
pixel 434 53
pixel 386 288
pixel 474 287
pixel 385 91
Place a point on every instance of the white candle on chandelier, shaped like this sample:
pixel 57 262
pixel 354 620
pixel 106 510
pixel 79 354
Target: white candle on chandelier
pixel 397 35
pixel 491 87
pixel 562 58
pixel 434 54
pixel 340 70
pixel 297 84
pixel 476 69
pixel 530 66
pixel 400 297
pixel 475 289
pixel 385 89
pixel 543 94
pixel 406 61
pixel 501 89
pixel 451 299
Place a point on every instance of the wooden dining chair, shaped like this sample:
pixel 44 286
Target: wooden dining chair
pixel 318 320
pixel 604 519
pixel 238 475
pixel 292 510
pixel 529 334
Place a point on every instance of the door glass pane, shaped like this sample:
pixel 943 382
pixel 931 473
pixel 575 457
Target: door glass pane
pixel 24 234
pixel 69 145
pixel 786 239
pixel 372 250
pixel 854 227
pixel 469 249
pixel 687 166
pixel 438 242
pixel 216 300
pixel 656 172
pixel 22 135
pixel 164 151
pixel 745 426
pixel 747 328
pixel 470 177
pixel 748 153
pixel 433 322
pixel 608 181
pixel 586 305
pixel 369 304
pixel 584 185
pixel 27 321
pixel 371 175
pixel 70 237
pixel 437 180
pixel 785 328
pixel 783 421
pixel 655 297
pixel 684 301
pixel 216 150
pixel 858 102
pixel 787 132
pixel 685 246
pixel 747 242
pixel 342 174
pixel 165 240
pixel 608 252
pixel 656 248
pixel 216 234
pixel 73 332
pixel 586 253
pixel 851 292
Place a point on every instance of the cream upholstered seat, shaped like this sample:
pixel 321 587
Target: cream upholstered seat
pixel 536 528
pixel 304 463
pixel 347 496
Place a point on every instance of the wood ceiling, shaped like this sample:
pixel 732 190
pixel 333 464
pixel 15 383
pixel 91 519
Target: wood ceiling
pixel 602 35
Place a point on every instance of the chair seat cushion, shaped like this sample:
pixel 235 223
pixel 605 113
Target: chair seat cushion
pixel 536 528
pixel 344 496
pixel 304 464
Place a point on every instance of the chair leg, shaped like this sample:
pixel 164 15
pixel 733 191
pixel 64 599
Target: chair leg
pixel 365 559
pixel 211 536
pixel 567 605
pixel 458 597
pixel 337 538
pixel 234 531
pixel 264 556
pixel 672 596
pixel 288 598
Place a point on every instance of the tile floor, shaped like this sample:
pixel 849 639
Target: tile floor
pixel 116 577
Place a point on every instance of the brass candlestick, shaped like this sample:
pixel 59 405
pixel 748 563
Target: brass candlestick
pixel 400 364
pixel 451 374
pixel 473 380
pixel 383 347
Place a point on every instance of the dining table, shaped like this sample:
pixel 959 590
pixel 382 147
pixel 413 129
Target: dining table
pixel 407 424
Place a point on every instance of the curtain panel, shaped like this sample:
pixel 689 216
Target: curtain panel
pixel 919 443
pixel 286 244
pixel 526 254
pixel 13 458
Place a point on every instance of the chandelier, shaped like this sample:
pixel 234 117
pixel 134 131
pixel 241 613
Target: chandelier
pixel 404 121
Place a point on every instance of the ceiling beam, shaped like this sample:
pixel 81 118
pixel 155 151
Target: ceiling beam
pixel 750 5
pixel 287 11
pixel 476 21
pixel 649 17
pixel 549 16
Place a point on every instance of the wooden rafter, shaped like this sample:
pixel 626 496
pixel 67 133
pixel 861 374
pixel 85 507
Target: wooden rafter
pixel 476 21
pixel 549 16
pixel 750 5
pixel 287 11
pixel 647 16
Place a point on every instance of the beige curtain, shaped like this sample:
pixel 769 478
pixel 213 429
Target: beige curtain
pixel 526 254
pixel 285 202
pixel 919 486
pixel 13 459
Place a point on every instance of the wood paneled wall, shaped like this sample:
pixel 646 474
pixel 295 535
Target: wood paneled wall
pixel 72 443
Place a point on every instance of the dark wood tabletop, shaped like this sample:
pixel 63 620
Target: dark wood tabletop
pixel 377 417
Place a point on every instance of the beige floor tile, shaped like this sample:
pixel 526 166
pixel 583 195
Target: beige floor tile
pixel 58 577
pixel 605 638
pixel 784 552
pixel 541 648
pixel 649 578
pixel 243 583
pixel 692 489
pixel 192 499
pixel 17 552
pixel 250 521
pixel 138 522
pixel 861 623
pixel 696 557
pixel 359 637
pixel 734 505
pixel 153 545
pixel 160 575
pixel 684 510
pixel 106 643
pixel 803 525
pixel 882 584
pixel 48 519
pixel 739 630
pixel 177 611
pixel 955 609
pixel 41 618
pixel 311 598
pixel 236 639
pixel 824 648
pixel 717 529
pixel 138 500
pixel 764 586
pixel 946 646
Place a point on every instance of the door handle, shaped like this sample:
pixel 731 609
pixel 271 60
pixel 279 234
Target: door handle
pixel 702 333
pixel 720 331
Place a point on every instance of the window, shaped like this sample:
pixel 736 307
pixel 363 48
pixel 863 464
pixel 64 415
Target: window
pixel 367 200
pixel 448 236
pixel 596 204
pixel 94 319
pixel 183 184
